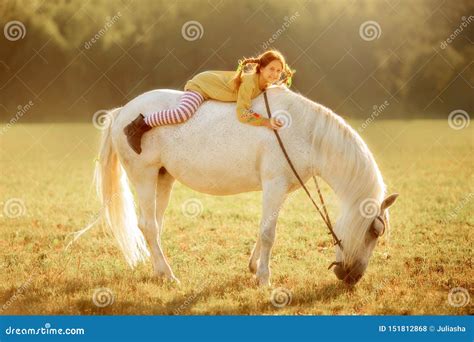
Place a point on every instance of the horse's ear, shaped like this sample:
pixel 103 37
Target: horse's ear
pixel 388 201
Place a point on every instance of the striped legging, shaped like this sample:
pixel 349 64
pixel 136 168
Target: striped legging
pixel 188 104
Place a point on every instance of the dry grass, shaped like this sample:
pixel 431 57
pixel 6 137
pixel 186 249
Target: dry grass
pixel 429 251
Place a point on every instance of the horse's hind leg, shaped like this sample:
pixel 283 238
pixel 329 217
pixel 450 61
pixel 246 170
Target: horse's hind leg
pixel 163 191
pixel 145 182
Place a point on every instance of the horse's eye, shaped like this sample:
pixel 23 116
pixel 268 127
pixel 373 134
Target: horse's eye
pixel 378 227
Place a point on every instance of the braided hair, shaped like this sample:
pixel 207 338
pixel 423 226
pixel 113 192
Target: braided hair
pixel 262 61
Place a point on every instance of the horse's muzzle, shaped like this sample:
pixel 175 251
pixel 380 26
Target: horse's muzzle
pixel 350 275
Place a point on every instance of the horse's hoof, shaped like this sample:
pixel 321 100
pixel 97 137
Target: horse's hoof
pixel 168 278
pixel 172 279
pixel 175 280
pixel 263 282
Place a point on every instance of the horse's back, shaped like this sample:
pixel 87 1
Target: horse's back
pixel 211 152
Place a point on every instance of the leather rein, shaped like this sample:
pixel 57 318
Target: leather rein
pixel 324 215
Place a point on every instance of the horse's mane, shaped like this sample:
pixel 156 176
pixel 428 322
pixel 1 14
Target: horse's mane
pixel 346 163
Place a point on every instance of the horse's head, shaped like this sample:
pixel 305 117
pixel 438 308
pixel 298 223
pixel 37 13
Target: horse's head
pixel 352 260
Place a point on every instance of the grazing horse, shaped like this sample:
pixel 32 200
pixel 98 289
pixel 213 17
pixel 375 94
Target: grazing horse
pixel 215 154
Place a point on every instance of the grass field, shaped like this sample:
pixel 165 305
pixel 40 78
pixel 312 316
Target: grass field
pixel 46 193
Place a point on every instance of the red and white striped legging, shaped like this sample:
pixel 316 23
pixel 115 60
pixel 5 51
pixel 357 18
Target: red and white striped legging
pixel 188 104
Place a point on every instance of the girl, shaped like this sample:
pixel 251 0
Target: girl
pixel 227 86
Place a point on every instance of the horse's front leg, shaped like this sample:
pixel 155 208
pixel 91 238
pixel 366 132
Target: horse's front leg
pixel 274 194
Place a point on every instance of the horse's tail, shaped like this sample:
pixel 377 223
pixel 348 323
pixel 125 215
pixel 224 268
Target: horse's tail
pixel 117 199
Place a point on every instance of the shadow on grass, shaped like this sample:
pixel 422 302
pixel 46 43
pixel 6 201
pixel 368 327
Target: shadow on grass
pixel 322 294
pixel 184 300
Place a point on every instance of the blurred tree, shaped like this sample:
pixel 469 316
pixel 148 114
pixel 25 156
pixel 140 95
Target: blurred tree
pixel 81 56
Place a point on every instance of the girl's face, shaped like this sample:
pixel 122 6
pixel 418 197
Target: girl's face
pixel 272 72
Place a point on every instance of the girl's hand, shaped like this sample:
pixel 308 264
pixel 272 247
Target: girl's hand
pixel 275 124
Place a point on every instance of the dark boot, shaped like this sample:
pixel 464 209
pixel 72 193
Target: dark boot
pixel 134 132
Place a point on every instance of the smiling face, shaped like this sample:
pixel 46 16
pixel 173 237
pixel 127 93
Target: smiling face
pixel 271 73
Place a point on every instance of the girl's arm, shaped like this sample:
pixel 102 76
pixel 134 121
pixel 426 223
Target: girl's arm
pixel 244 113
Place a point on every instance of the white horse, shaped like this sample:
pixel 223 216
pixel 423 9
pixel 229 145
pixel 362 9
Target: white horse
pixel 216 154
